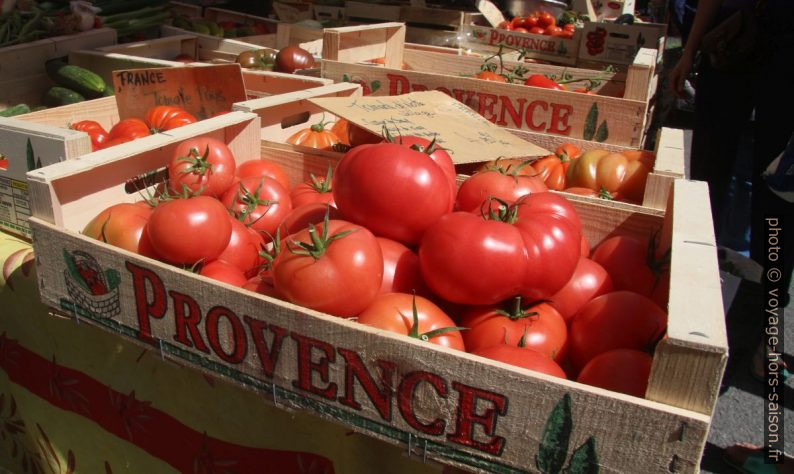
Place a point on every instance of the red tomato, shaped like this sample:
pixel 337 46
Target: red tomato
pixel 262 286
pixel 520 30
pixel 620 370
pixel 394 191
pixel 537 30
pixel 569 27
pixel 437 154
pixel 585 247
pixel 95 131
pixel 620 173
pixel 167 117
pixel 202 165
pixel 490 76
pixel 546 20
pixel 315 190
pixel 617 320
pixel 260 203
pixel 186 231
pixel 129 129
pixel 554 31
pixel 242 250
pixel 340 276
pixel 537 326
pixel 353 135
pixel 531 21
pixel 498 181
pixel 259 168
pixel 539 80
pixel 568 152
pixel 401 273
pixel 521 357
pixel 395 312
pixel 551 169
pixel 602 194
pixel 116 141
pixel 588 281
pixel 636 265
pixel 467 258
pixel 300 217
pixel 225 272
pixel 120 225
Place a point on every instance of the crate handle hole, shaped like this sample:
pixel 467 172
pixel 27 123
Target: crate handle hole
pixel 138 184
pixel 297 119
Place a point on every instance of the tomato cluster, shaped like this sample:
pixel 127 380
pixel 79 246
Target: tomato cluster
pixel 158 119
pixel 498 267
pixel 539 23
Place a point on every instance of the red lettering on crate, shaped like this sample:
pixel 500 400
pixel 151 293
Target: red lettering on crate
pixel 144 308
pixel 187 321
pixel 355 369
pixel 559 119
pixel 407 401
pixel 268 357
pixel 238 339
pixel 307 366
pixel 531 115
pixel 468 416
pixel 487 102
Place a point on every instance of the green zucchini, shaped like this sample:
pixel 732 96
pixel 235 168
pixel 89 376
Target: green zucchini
pixel 15 110
pixel 76 78
pixel 57 96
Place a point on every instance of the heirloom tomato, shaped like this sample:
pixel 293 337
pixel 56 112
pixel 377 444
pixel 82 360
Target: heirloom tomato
pixel 120 225
pixel 99 136
pixel 620 173
pixel 292 58
pixel 129 129
pixel 620 370
pixel 315 136
pixel 167 117
pixel 588 281
pixel 201 165
pixel 261 203
pixel 352 135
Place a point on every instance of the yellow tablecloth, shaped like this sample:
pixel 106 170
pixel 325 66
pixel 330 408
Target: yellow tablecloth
pixel 76 399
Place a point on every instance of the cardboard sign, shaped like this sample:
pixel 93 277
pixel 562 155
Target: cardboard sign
pixel 491 12
pixel 201 90
pixel 467 135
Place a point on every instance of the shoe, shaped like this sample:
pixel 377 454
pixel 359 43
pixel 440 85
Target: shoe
pixel 748 459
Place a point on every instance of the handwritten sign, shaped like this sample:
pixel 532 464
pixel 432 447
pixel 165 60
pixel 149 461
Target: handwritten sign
pixel 433 114
pixel 201 90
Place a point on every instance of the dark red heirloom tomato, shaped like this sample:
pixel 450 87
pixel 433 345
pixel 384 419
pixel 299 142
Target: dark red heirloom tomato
pixel 99 136
pixel 129 129
pixel 167 117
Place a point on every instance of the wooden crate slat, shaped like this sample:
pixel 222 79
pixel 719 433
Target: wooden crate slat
pixel 159 48
pixel 102 110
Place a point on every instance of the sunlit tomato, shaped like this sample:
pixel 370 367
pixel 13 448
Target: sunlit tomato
pixel 120 225
pixel 242 250
pixel 337 270
pixel 436 153
pixel 315 136
pixel 537 326
pixel 539 80
pixel 601 194
pixel 167 117
pixel 614 172
pixel 568 152
pixel 490 76
pixel 259 168
pixel 395 312
pixel 588 281
pixel 292 58
pixel 186 231
pixel 531 21
pixel 554 31
pixel 394 191
pixel 129 129
pixel 636 265
pixel 401 273
pixel 260 203
pixel 499 182
pixel 551 169
pixel 262 286
pixel 620 370
pixel 510 165
pixel 351 134
pixel 546 20
pixel 521 357
pixel 225 272
pixel 94 130
pixel 537 30
pixel 317 189
pixel 300 217
pixel 202 164
pixel 617 320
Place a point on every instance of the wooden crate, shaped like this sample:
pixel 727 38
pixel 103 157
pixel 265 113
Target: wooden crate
pixel 22 75
pixel 546 48
pixel 217 49
pixel 622 120
pixel 283 115
pixel 445 405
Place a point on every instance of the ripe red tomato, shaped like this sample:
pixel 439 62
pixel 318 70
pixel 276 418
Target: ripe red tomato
pixel 401 273
pixel 95 131
pixel 260 203
pixel 243 248
pixel 570 27
pixel 316 190
pixel 546 20
pixel 521 357
pixel 532 250
pixel 620 370
pixel 395 312
pixel 601 194
pixel 167 117
pixel 498 181
pixel 531 21
pixel 120 225
pixel 585 247
pixel 554 31
pixel 620 173
pixel 259 168
pixel 538 326
pixel 568 152
pixel 537 30
pixel 300 217
pixel 506 25
pixel 394 191
pixel 436 153
pixel 262 286
pixel 617 320
pixel 588 281
pixel 520 30
pixel 225 272
pixel 539 80
pixel 490 76
pixel 340 276
pixel 202 165
pixel 353 135
pixel 186 231
pixel 551 169
pixel 636 265
pixel 129 129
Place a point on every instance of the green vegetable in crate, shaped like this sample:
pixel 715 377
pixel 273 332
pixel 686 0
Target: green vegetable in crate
pixel 15 110
pixel 76 78
pixel 259 59
pixel 57 96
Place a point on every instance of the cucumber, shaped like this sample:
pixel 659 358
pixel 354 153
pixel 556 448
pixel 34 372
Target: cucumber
pixel 76 78
pixel 108 92
pixel 15 110
pixel 58 96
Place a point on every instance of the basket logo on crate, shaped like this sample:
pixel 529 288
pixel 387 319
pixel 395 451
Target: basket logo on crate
pixel 446 413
